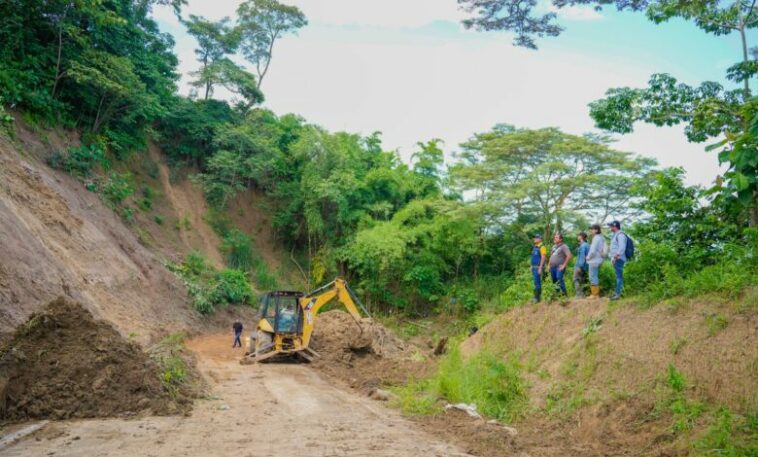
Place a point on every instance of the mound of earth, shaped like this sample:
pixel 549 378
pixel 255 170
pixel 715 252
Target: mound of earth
pixel 337 335
pixel 62 363
pixel 365 355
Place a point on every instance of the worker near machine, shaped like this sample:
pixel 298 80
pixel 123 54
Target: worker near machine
pixel 539 252
pixel 237 327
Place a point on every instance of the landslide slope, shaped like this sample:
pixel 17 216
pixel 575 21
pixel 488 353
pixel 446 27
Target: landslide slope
pixel 615 379
pixel 59 239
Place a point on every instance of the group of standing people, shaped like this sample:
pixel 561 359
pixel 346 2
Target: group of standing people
pixel 589 258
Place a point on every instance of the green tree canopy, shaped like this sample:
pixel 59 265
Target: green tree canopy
pixel 261 23
pixel 545 179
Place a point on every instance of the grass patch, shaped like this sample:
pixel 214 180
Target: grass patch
pixel 416 399
pixel 672 399
pixel 495 385
pixel 174 372
pixel 677 344
pixel 715 323
pixel 183 224
pixel 567 394
pixel 729 435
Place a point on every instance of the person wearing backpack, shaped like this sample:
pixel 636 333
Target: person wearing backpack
pixel 621 245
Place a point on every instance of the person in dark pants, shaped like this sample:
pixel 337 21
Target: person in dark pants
pixel 237 327
pixel 539 252
pixel 581 266
pixel 560 255
pixel 618 256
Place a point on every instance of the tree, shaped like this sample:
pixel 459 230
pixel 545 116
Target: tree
pixel 545 179
pixel 223 178
pixel 261 23
pixel 709 111
pixel 427 164
pixel 215 41
pixel 114 84
pixel 525 18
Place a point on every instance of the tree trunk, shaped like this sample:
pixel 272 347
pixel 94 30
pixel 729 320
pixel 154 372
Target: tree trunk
pixel 745 59
pixel 96 124
pixel 262 74
pixel 58 74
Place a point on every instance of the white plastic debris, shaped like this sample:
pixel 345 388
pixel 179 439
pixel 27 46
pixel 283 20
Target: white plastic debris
pixel 468 409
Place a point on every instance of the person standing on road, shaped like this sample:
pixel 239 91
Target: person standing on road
pixel 581 266
pixel 237 327
pixel 618 256
pixel 560 255
pixel 595 257
pixel 539 252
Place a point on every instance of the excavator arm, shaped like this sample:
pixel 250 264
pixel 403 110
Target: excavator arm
pixel 314 301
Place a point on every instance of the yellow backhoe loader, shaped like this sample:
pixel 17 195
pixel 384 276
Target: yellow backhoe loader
pixel 286 320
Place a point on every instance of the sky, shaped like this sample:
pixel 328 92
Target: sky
pixel 408 68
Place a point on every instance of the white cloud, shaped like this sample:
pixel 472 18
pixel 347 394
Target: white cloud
pixel 372 13
pixel 576 13
pixel 378 13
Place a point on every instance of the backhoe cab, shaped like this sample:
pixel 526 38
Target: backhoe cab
pixel 286 320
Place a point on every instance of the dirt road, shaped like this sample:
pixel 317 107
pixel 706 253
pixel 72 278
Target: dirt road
pixel 260 410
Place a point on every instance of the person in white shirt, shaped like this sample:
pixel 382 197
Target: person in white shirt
pixel 618 256
pixel 595 258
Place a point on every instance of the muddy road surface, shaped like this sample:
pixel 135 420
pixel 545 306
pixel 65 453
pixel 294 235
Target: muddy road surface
pixel 261 410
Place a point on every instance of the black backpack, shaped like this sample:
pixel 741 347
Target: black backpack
pixel 629 252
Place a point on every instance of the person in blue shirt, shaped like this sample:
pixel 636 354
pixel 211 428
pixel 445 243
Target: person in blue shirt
pixel 539 253
pixel 617 254
pixel 581 266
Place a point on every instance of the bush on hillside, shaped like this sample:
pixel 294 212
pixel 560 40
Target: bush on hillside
pixel 79 161
pixel 210 288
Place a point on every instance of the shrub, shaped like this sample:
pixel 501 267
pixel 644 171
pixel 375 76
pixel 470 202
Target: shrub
pixel 209 288
pixel 264 279
pixel 146 202
pixel 232 287
pixel 117 188
pixel 237 247
pixel 78 161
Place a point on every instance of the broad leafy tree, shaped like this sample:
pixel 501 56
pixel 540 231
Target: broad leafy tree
pixel 261 23
pixel 215 40
pixel 545 179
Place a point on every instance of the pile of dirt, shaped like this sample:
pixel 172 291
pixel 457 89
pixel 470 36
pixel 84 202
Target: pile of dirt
pixel 338 335
pixel 62 363
pixel 364 354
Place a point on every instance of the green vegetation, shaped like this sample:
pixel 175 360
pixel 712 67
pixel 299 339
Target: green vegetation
pixel 168 355
pixel 673 399
pixel 210 288
pixel 79 161
pixel 422 237
pixel 729 435
pixel 496 386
